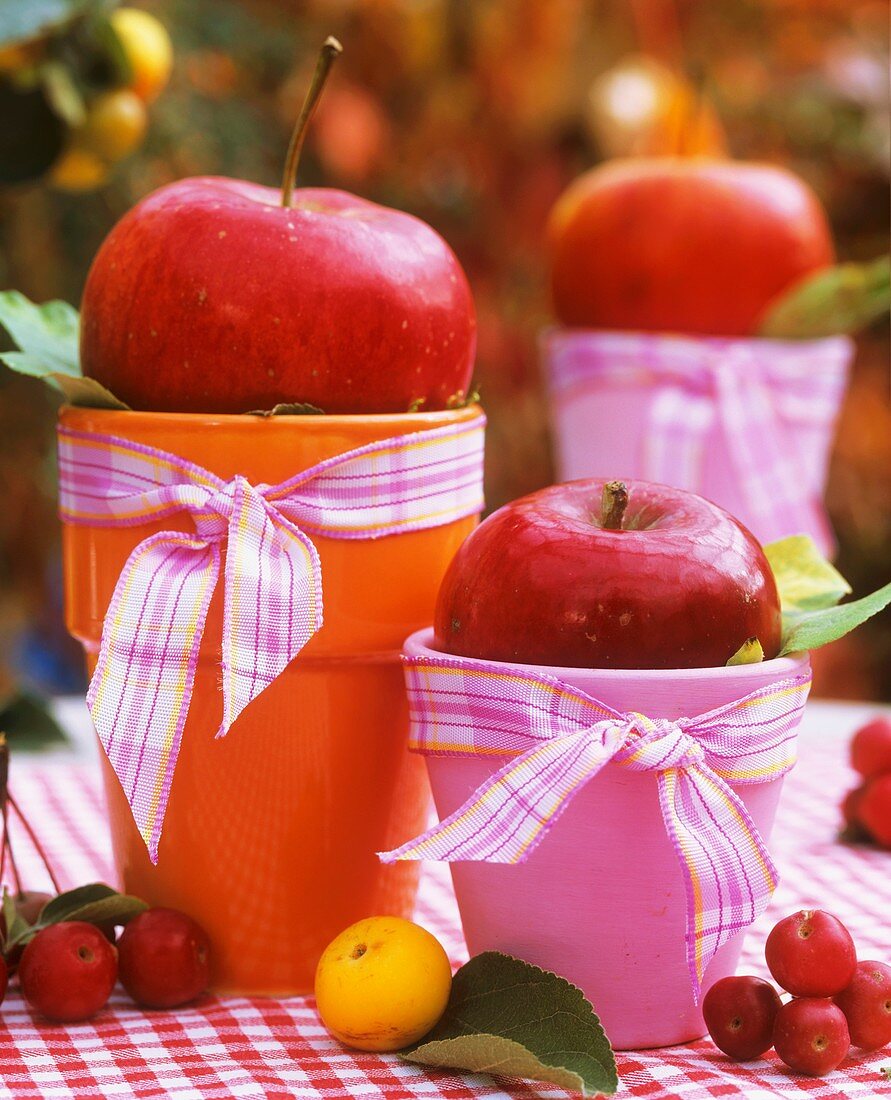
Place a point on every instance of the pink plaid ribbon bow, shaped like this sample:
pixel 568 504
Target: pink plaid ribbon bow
pixel 775 401
pixel 140 691
pixel 558 738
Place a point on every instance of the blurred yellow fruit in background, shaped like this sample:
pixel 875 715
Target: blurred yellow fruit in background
pixel 78 170
pixel 382 984
pixel 115 125
pixel 147 46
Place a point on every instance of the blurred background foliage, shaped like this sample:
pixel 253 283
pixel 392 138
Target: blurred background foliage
pixel 474 114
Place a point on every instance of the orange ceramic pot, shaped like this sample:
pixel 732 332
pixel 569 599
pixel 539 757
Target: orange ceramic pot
pixel 270 835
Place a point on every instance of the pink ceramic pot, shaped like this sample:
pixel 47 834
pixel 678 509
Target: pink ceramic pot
pixel 601 901
pixel 604 386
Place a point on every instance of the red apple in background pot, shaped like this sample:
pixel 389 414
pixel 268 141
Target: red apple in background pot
pixel 218 295
pixel 682 245
pixel 566 577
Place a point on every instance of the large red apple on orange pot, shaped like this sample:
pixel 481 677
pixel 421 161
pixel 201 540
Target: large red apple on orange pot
pixel 596 575
pixel 218 295
pixel 670 244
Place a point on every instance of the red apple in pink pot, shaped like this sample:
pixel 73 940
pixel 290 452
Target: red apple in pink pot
pixel 218 295
pixel 603 575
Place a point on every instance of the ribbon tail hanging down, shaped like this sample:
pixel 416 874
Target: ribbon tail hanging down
pixel 141 688
pixel 728 874
pixel 768 468
pixel 273 599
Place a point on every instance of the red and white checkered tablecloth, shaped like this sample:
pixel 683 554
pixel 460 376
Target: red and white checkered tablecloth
pixel 254 1048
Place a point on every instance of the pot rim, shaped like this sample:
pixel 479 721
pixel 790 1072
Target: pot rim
pixel 572 333
pixel 136 417
pixel 420 643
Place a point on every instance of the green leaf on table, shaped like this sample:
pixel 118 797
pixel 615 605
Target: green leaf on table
pixel 812 629
pixel 749 653
pixel 26 719
pixel 508 1018
pixel 46 335
pixel 805 579
pixel 840 299
pixel 886 1071
pixel 95 903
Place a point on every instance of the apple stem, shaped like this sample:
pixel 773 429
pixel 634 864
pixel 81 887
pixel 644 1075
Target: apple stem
pixel 330 51
pixel 38 847
pixel 613 503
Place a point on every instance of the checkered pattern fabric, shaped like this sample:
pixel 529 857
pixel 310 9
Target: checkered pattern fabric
pixel 256 1049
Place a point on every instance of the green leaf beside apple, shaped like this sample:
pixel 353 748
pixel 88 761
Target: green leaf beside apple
pixel 810 591
pixel 47 337
pixel 509 1018
pixel 840 299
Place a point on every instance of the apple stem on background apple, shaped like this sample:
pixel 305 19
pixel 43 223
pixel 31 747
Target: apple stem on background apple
pixel 330 51
pixel 613 503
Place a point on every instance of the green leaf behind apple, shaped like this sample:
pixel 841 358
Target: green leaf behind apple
pixel 47 336
pixel 810 590
pixel 840 299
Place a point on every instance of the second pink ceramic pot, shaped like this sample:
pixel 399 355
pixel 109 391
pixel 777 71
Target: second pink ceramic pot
pixel 601 900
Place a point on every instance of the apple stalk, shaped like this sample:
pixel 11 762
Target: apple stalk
pixel 613 502
pixel 329 53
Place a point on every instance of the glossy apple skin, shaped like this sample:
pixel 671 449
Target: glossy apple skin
pixel 683 585
pixel 209 296
pixel 682 245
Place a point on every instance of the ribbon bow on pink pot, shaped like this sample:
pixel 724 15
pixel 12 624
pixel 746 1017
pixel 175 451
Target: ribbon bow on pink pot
pixel 557 738
pixel 273 604
pixel 747 423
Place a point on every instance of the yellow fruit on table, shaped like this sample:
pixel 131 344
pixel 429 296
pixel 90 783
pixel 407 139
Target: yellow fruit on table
pixel 382 984
pixel 78 170
pixel 115 125
pixel 146 44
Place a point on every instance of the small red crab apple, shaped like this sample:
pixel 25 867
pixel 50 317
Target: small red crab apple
pixel 68 971
pixel 739 1013
pixel 164 958
pixel 874 809
pixel 811 954
pixel 866 1003
pixel 850 809
pixel 811 1035
pixel 871 748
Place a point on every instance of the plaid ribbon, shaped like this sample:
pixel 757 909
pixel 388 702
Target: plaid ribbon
pixel 558 738
pixel 774 401
pixel 140 691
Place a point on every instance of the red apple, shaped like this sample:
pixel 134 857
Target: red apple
pixel 682 245
pixel 555 578
pixel 217 295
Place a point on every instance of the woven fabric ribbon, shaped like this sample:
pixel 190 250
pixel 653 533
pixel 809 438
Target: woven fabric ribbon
pixel 140 691
pixel 558 738
pixel 775 401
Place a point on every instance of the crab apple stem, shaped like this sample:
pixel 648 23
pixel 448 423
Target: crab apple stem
pixel 613 503
pixel 7 851
pixel 329 53
pixel 38 847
